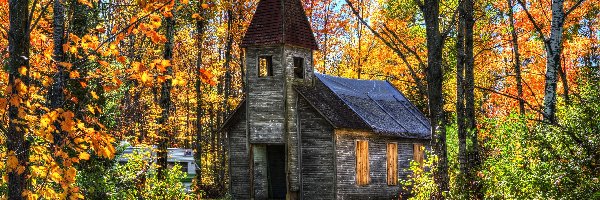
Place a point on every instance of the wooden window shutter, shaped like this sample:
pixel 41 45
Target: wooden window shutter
pixel 392 163
pixel 418 153
pixel 362 162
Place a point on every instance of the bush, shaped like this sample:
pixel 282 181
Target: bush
pixel 420 184
pixel 133 180
pixel 527 159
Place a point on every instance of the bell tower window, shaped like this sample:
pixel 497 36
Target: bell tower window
pixel 299 67
pixel 265 66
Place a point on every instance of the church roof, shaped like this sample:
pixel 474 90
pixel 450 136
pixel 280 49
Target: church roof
pixel 367 105
pixel 280 22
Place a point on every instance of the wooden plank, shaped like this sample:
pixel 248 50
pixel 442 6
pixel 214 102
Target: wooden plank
pixel 316 154
pixel 392 163
pixel 418 153
pixel 346 184
pixel 362 162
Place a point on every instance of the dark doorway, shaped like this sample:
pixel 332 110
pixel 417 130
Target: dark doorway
pixel 276 171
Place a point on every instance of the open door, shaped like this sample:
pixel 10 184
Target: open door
pixel 276 171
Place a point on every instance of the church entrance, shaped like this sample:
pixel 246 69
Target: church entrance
pixel 276 171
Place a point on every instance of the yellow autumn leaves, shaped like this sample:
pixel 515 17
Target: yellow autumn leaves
pixel 152 73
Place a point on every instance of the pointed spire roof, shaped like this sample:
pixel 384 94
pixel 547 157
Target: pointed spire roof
pixel 280 22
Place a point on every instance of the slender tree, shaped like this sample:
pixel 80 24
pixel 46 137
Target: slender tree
pixel 516 57
pixel 56 94
pixel 469 92
pixel 553 45
pixel 200 24
pixel 16 144
pixel 165 95
pixel 435 45
pixel 460 95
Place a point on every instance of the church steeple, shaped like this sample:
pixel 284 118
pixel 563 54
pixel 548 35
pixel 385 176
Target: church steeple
pixel 279 46
pixel 280 22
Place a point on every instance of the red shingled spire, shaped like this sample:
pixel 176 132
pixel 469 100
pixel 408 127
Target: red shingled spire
pixel 280 22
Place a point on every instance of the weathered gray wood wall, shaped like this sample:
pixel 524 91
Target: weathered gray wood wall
pixel 272 113
pixel 291 113
pixel 378 188
pixel 265 98
pixel 261 187
pixel 318 167
pixel 238 158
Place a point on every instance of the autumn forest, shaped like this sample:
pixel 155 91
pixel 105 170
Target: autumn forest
pixel 511 89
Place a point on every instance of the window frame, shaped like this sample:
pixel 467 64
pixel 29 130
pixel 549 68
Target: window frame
pixel 269 66
pixel 302 70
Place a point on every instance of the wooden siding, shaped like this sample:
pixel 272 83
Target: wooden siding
pixel 271 102
pixel 362 162
pixel 392 163
pixel 418 153
pixel 378 188
pixel 318 167
pixel 291 113
pixel 265 97
pixel 259 155
pixel 239 158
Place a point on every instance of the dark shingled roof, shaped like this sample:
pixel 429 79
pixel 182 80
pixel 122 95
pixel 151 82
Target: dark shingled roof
pixel 332 107
pixel 280 22
pixel 368 105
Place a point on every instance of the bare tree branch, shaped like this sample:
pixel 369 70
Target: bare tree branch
pixel 411 51
pixel 531 107
pixel 37 20
pixel 388 42
pixel 446 32
pixel 419 4
pixel 30 15
pixel 532 20
pixel 573 8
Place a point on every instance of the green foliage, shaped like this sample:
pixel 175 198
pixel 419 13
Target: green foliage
pixel 420 183
pixel 510 159
pixel 91 177
pixel 132 180
pixel 524 159
pixel 547 161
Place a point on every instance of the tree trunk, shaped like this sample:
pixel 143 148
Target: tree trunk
pixel 562 72
pixel 471 124
pixel 17 146
pixel 200 23
pixel 227 64
pixel 165 98
pixel 359 32
pixel 326 37
pixel 56 94
pixel 240 15
pixel 517 59
pixel 435 77
pixel 553 51
pixel 460 95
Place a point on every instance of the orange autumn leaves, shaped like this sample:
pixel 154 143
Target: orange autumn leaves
pixel 153 73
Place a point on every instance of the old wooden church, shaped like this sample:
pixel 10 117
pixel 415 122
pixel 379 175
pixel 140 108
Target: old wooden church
pixel 304 135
